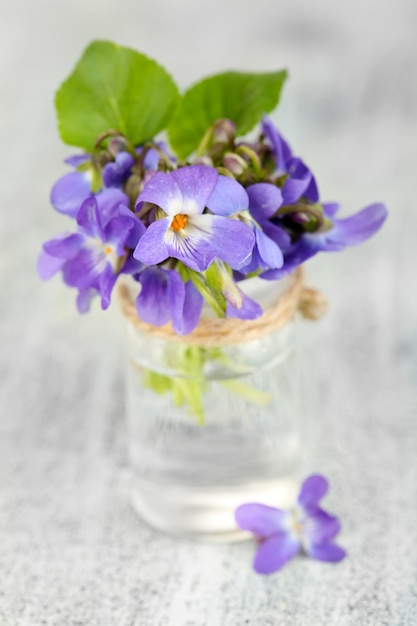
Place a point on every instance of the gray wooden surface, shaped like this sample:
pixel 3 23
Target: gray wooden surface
pixel 72 551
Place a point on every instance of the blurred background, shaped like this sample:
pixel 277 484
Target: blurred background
pixel 71 551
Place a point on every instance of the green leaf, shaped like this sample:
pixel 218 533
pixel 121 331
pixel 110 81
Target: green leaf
pixel 240 97
pixel 113 87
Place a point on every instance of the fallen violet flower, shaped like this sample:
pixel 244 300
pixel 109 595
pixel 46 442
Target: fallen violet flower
pixel 283 534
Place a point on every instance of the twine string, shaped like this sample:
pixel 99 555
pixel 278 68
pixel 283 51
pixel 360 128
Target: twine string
pixel 212 332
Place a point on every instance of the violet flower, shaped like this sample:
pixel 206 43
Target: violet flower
pixel 92 258
pixel 186 233
pixel 300 181
pixel 343 232
pixel 165 297
pixel 283 534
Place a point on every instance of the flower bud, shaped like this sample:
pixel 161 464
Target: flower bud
pixel 219 277
pixel 104 157
pixel 233 293
pixel 116 145
pixel 133 186
pixel 234 163
pixel 203 160
pixel 224 131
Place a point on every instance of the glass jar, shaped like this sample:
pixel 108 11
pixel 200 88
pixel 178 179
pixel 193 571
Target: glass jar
pixel 212 427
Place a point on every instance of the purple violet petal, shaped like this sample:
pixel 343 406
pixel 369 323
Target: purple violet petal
pixel 275 552
pixel 48 265
pixel 66 247
pixel 115 173
pixel 152 157
pixel 255 263
pixel 107 281
pixel 152 302
pixel 294 189
pixel 151 160
pixel 297 169
pixel 312 192
pixel 124 161
pixel 220 232
pixel 89 219
pixel 138 228
pixel 280 147
pixel 109 202
pixel 152 248
pixel 70 191
pixel 328 552
pixel 194 246
pixel 250 310
pixel 175 298
pixel 111 175
pixel 132 266
pixel 264 200
pixel 312 490
pixel 162 190
pixel 196 183
pixel 261 519
pixel 228 197
pixel 268 251
pixel 277 234
pixel 186 320
pixel 283 271
pixel 77 159
pixel 117 232
pixel 193 306
pixel 330 208
pixel 359 227
pixel 84 299
pixel 304 249
pixel 318 527
pixel 84 270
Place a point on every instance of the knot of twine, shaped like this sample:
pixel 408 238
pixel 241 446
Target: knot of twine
pixel 212 332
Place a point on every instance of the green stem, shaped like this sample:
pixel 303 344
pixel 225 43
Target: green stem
pixel 256 396
pixel 205 142
pixel 252 156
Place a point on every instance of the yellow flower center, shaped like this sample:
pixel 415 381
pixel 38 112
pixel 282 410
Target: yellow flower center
pixel 179 222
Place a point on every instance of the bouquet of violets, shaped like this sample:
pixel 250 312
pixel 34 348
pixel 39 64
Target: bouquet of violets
pixel 191 195
pixel 191 214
